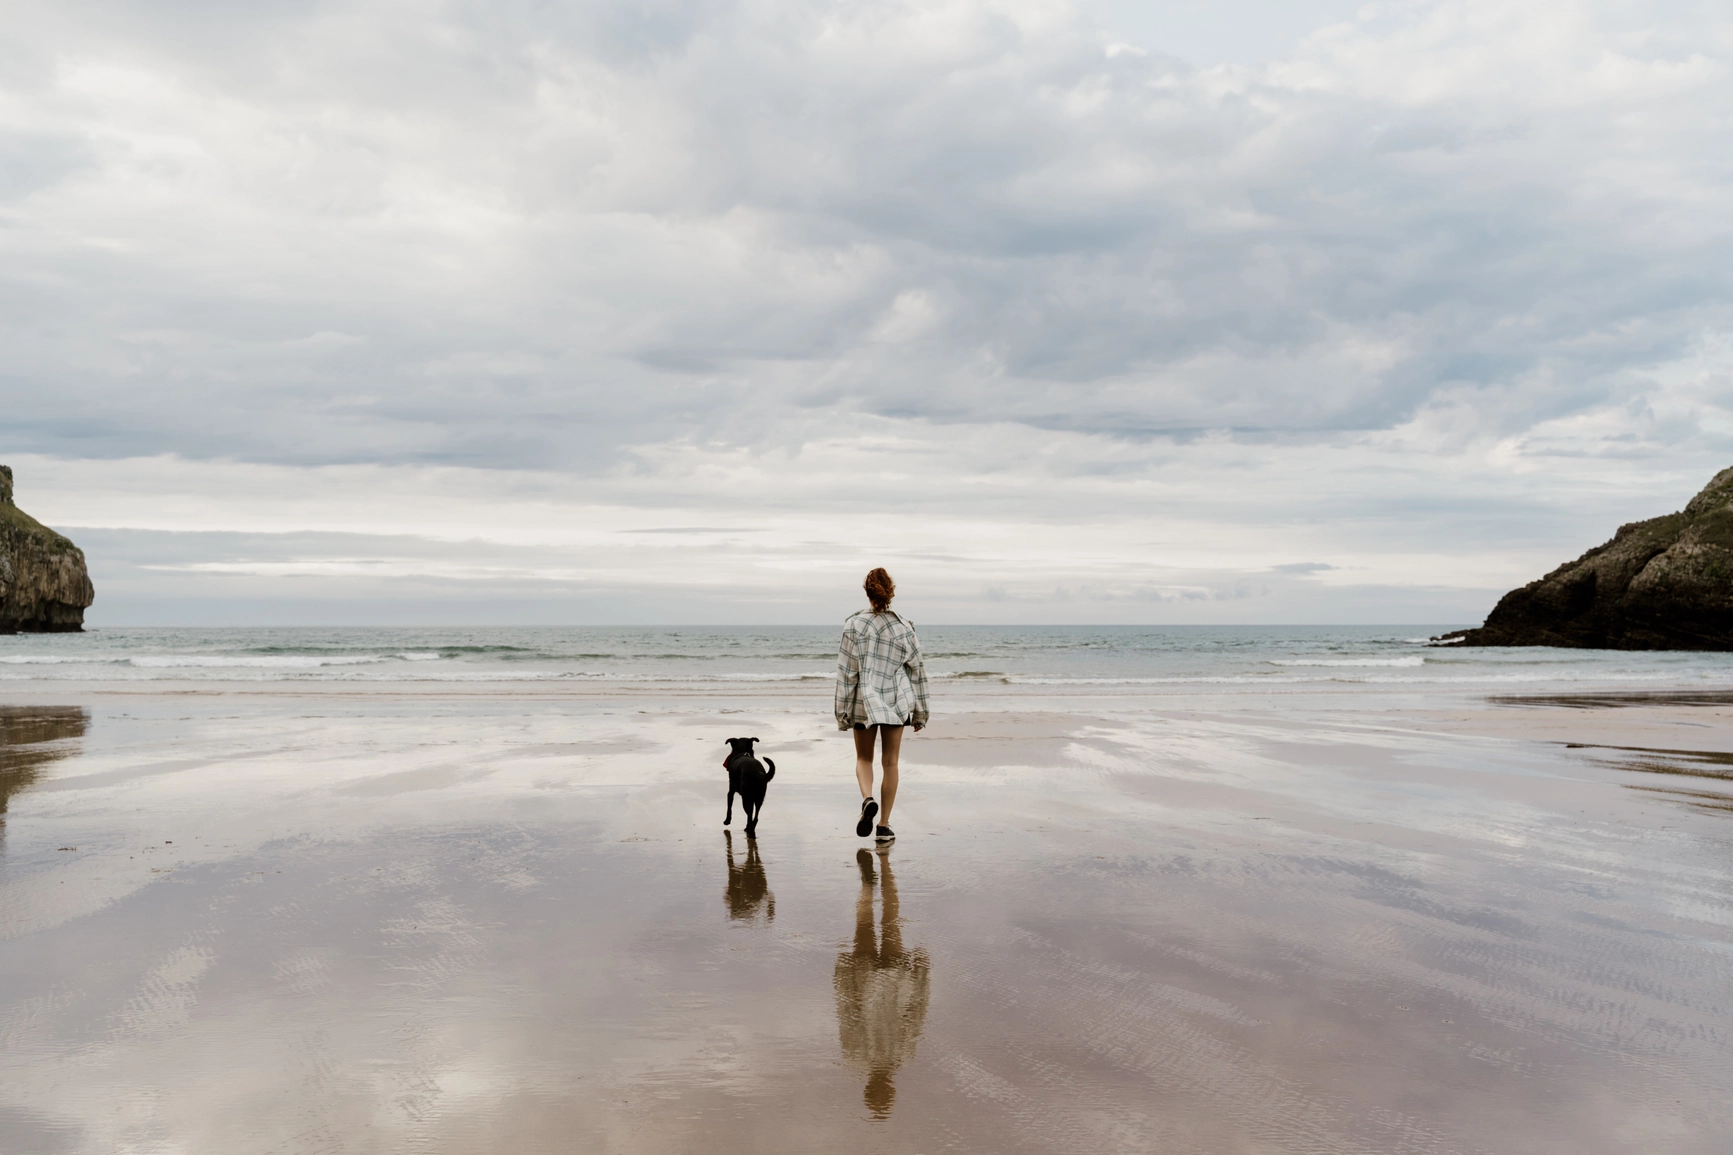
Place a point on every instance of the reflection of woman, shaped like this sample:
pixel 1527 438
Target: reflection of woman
pixel 881 686
pixel 881 992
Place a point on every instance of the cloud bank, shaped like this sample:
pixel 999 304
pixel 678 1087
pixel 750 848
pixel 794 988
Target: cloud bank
pixel 1435 293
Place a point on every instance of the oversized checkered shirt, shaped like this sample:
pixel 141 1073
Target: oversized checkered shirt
pixel 880 680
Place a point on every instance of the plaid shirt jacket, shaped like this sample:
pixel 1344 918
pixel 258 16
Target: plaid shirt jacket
pixel 880 680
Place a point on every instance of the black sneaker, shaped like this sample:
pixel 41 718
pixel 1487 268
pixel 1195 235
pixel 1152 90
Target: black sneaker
pixel 868 810
pixel 886 834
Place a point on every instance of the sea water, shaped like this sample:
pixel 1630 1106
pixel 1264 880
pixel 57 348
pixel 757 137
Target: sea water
pixel 1249 657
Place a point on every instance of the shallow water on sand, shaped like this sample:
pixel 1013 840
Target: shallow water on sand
pixel 503 921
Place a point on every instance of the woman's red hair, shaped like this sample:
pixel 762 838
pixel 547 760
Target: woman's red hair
pixel 880 589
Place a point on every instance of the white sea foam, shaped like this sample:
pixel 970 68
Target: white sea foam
pixel 1574 677
pixel 820 676
pixel 1216 679
pixel 1411 660
pixel 54 659
pixel 252 661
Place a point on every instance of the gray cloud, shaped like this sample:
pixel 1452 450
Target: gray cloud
pixel 521 234
pixel 244 579
pixel 1108 309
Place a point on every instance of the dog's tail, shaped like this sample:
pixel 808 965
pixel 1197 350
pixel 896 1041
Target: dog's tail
pixel 772 773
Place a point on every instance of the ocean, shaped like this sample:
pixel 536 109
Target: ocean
pixel 1249 657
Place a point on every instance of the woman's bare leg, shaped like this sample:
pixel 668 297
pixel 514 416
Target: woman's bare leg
pixel 890 746
pixel 863 759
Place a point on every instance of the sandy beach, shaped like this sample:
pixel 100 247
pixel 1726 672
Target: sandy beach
pixel 1289 446
pixel 506 917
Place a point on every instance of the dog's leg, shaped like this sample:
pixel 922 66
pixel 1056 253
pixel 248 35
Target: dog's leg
pixel 729 817
pixel 758 804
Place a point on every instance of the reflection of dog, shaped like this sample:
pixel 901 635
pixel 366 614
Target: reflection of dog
pixel 748 889
pixel 747 778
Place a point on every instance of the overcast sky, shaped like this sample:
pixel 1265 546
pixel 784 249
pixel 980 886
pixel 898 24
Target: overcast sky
pixel 529 310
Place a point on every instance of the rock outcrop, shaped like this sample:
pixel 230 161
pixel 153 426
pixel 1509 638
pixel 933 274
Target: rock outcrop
pixel 44 587
pixel 1661 584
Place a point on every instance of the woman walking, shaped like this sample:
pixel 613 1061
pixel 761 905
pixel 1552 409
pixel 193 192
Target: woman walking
pixel 881 686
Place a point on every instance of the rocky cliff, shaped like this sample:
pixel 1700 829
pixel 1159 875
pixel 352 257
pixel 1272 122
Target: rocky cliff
pixel 1661 584
pixel 43 584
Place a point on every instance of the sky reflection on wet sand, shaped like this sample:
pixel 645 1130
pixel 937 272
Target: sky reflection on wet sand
pixel 483 923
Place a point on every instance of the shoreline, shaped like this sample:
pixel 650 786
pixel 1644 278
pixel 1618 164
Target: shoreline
pixel 1690 719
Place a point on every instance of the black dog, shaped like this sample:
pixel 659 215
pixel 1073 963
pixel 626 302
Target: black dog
pixel 746 777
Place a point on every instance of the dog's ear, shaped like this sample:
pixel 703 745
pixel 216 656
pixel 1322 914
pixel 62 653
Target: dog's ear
pixel 752 739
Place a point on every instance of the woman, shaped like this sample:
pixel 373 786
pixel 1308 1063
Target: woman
pixel 881 686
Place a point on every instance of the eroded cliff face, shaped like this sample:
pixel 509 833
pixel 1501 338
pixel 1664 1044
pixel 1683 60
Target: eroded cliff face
pixel 44 587
pixel 1661 584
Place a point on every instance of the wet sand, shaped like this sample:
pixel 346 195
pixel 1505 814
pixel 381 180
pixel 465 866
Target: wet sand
pixel 507 918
